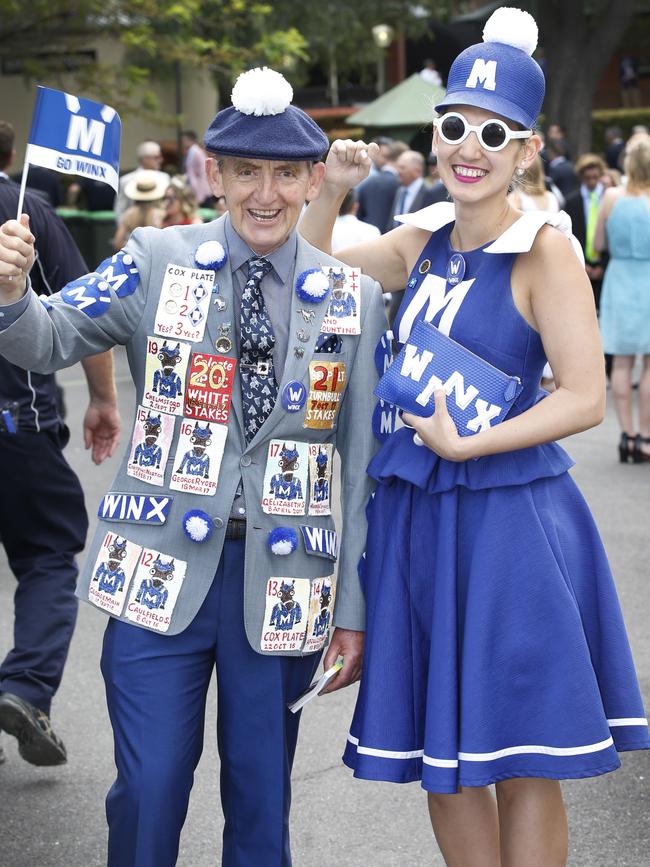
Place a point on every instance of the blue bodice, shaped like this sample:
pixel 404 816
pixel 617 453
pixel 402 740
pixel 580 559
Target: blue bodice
pixel 478 312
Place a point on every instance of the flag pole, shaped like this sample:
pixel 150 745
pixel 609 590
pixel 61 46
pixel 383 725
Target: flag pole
pixel 23 184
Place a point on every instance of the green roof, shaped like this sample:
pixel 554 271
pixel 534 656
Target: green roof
pixel 408 104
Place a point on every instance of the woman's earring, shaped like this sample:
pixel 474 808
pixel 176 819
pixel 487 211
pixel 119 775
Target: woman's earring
pixel 521 171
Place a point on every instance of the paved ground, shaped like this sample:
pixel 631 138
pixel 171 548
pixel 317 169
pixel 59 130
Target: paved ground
pixel 54 817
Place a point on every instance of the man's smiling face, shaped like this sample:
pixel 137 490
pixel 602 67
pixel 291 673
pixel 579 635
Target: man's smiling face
pixel 264 197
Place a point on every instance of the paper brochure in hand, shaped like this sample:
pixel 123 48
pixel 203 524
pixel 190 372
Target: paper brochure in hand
pixel 479 395
pixel 315 687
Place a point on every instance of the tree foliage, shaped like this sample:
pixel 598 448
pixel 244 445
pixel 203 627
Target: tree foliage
pixel 579 38
pixel 220 36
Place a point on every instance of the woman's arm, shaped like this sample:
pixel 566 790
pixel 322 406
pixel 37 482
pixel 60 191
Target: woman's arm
pixel 388 258
pixel 561 307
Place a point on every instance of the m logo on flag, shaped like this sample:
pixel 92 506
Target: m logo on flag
pixel 75 136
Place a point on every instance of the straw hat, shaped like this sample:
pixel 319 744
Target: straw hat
pixel 146 186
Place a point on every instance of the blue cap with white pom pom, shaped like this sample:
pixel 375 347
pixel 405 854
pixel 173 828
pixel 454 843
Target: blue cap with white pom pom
pixel 499 73
pixel 262 124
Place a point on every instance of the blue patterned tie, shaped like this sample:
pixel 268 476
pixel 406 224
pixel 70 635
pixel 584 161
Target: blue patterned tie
pixel 259 386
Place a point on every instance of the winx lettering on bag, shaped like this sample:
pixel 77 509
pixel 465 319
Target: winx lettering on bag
pixel 479 395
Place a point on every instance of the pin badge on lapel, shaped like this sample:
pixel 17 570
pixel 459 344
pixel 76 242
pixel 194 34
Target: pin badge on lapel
pixel 425 264
pixel 303 336
pixel 294 395
pixel 307 315
pixel 223 343
pixel 220 303
pixel 298 351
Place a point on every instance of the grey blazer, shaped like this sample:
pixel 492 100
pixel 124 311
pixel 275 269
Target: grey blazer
pixel 47 339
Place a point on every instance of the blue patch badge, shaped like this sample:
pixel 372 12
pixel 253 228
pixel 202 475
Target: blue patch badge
pixel 89 294
pixel 384 420
pixel 319 541
pixel 134 508
pixel 384 352
pixel 329 343
pixel 412 283
pixel 121 273
pixel 293 396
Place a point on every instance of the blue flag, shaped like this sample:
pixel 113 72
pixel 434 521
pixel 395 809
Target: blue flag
pixel 75 136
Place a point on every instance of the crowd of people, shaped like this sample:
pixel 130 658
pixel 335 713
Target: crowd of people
pixel 487 658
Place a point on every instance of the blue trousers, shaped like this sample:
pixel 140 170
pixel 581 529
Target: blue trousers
pixel 156 689
pixel 43 525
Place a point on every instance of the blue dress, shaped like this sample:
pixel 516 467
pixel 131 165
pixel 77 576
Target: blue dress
pixel 495 646
pixel 625 299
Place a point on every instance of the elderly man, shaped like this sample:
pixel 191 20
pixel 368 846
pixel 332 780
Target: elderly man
pixel 215 544
pixel 149 157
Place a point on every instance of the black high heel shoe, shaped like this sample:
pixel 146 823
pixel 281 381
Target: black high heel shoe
pixel 639 456
pixel 627 447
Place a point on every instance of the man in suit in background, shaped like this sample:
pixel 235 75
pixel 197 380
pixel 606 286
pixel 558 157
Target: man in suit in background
pixel 413 194
pixel 560 168
pixel 582 206
pixel 376 193
pixel 215 547
pixel 43 520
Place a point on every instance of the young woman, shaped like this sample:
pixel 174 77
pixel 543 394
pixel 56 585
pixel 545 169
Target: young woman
pixel 495 647
pixel 179 203
pixel 624 228
pixel 146 190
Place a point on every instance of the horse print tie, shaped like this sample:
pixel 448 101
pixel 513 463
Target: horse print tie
pixel 258 382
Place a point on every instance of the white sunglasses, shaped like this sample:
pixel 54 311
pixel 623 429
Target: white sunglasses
pixel 493 134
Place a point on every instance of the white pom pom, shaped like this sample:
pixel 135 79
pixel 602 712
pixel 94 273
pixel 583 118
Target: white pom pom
pixel 282 548
pixel 210 254
pixel 197 528
pixel 261 92
pixel 511 26
pixel 316 284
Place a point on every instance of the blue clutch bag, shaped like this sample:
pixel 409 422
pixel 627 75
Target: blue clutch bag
pixel 479 395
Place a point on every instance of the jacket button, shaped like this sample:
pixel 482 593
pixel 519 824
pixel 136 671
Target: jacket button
pixel 218 522
pixel 246 461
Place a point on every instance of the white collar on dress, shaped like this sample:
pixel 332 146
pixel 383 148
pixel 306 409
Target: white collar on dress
pixel 518 238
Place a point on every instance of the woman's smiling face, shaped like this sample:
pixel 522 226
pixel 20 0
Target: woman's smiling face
pixel 471 172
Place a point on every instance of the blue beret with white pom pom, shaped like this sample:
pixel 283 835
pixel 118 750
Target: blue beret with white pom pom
pixel 197 525
pixel 282 541
pixel 312 286
pixel 210 255
pixel 262 124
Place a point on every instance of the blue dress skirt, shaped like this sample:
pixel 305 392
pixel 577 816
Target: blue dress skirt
pixel 495 645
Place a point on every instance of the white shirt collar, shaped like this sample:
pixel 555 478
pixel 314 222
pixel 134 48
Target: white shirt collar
pixel 518 238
